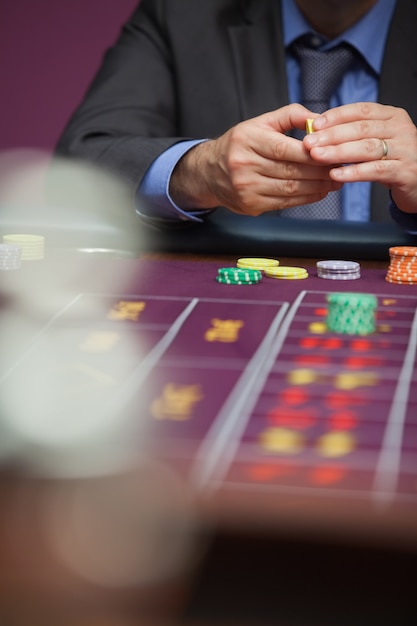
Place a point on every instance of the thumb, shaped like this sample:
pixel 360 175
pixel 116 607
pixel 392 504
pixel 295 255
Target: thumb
pixel 288 117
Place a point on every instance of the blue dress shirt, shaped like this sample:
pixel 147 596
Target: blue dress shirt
pixel 359 84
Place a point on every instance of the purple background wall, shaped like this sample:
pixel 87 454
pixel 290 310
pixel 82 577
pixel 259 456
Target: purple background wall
pixel 49 51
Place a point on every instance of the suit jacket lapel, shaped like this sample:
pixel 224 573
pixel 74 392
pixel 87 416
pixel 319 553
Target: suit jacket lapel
pixel 259 60
pixel 398 84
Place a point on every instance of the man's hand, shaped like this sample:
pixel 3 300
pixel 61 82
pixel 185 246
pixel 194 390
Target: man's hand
pixel 358 135
pixel 253 168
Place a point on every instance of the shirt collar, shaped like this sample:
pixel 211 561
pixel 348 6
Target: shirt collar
pixel 368 35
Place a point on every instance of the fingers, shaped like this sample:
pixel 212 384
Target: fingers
pixel 264 140
pixel 374 142
pixel 356 132
pixel 363 150
pixel 364 111
pixel 378 132
pixel 264 204
pixel 366 160
pixel 253 167
pixel 287 118
pixel 363 172
pixel 291 170
pixel 253 193
pixel 266 136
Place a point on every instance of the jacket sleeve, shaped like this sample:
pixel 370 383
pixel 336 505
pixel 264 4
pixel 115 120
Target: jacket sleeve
pixel 128 115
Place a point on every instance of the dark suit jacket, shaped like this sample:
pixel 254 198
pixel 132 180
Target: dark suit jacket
pixel 189 69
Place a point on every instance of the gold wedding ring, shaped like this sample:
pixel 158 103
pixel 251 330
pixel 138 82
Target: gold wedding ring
pixel 385 150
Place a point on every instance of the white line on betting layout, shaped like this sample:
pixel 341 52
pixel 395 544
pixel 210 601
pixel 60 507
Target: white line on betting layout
pixel 388 465
pixel 237 410
pixel 220 444
pixel 37 338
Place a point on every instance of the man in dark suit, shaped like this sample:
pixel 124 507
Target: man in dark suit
pixel 209 85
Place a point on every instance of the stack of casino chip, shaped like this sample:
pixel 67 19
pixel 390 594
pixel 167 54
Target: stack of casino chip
pixel 10 256
pixel 272 268
pixel 288 273
pixel 338 270
pixel 32 246
pixel 351 313
pixel 403 265
pixel 237 276
pixel 257 263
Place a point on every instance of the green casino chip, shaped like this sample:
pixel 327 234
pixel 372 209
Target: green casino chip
pixel 351 313
pixel 235 273
pixel 232 281
pixel 353 300
pixel 236 276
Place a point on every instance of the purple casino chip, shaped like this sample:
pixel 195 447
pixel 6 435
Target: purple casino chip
pixel 339 276
pixel 338 266
pixel 338 270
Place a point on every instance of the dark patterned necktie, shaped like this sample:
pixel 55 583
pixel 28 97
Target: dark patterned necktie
pixel 321 73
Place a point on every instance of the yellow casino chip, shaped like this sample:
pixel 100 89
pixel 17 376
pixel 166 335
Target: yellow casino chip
pixel 256 263
pixel 32 246
pixel 291 273
pixel 309 126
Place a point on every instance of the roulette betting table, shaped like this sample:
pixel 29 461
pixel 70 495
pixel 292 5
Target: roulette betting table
pixel 296 445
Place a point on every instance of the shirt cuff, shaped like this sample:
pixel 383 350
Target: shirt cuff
pixel 154 188
pixel 407 221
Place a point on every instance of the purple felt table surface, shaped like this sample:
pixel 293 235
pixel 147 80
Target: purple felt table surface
pixel 243 388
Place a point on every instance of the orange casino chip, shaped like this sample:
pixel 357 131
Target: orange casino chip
pixel 403 265
pixel 403 260
pixel 403 269
pixel 402 273
pixel 402 276
pixel 403 251
pixel 401 281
